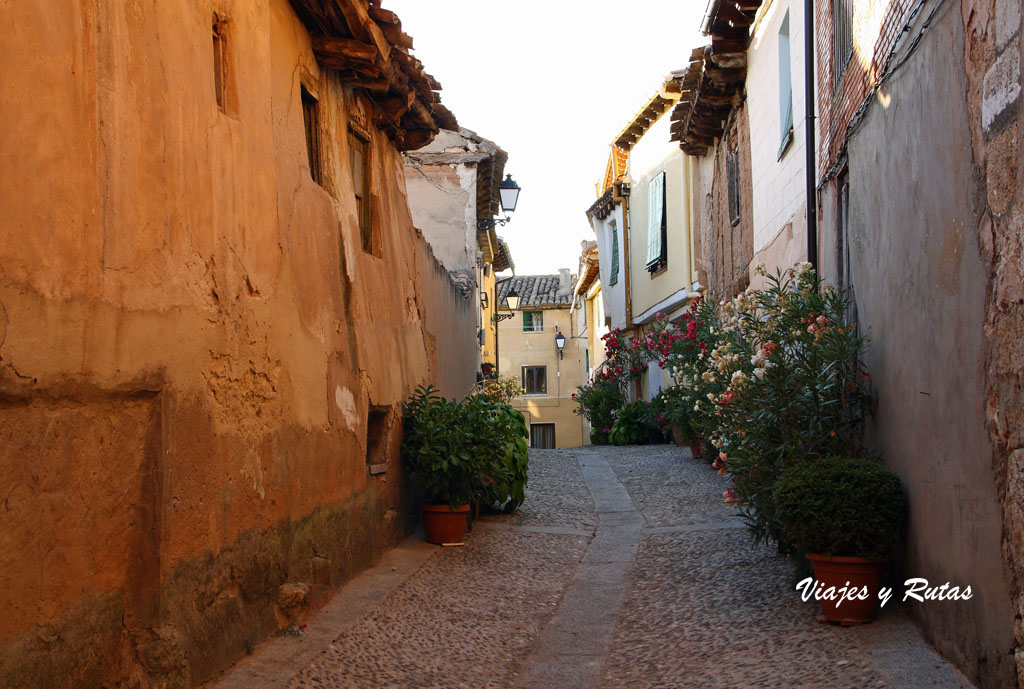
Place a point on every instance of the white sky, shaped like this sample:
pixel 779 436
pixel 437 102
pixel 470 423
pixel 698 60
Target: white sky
pixel 551 82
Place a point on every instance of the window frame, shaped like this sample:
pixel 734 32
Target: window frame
pixel 785 87
pixel 360 141
pixel 534 327
pixel 842 40
pixel 544 380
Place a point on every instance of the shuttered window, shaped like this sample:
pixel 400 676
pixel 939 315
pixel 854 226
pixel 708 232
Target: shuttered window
pixel 785 88
pixel 656 256
pixel 614 276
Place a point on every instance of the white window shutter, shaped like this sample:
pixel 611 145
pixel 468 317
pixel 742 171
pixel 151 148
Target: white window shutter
pixel 655 205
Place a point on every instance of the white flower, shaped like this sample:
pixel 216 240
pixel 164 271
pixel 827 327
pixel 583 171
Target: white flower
pixel 759 373
pixel 759 270
pixel 738 378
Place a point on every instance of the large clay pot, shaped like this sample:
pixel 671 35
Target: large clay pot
pixel 444 524
pixel 854 572
pixel 677 436
pixel 697 448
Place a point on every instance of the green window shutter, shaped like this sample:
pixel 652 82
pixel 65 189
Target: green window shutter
pixel 655 218
pixel 614 278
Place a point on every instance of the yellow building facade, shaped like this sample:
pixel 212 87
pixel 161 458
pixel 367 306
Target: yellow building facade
pixel 527 348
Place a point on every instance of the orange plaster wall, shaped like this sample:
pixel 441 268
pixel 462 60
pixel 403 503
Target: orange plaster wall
pixel 190 331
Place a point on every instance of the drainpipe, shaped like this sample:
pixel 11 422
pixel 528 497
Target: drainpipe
pixel 812 197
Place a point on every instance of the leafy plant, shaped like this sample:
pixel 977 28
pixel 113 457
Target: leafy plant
pixel 509 487
pixel 465 451
pixel 841 506
pixel 500 389
pixel 788 387
pixel 597 402
pixel 673 409
pixel 631 425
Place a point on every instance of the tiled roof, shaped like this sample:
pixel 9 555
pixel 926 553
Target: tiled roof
pixel 537 290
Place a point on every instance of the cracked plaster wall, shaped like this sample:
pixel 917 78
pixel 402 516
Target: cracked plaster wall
pixel 935 229
pixel 190 338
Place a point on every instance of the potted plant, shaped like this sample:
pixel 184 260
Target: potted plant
pixel 438 451
pixel 844 514
pixel 676 410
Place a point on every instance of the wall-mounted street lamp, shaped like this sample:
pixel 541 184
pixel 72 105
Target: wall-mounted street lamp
pixel 483 299
pixel 560 343
pixel 508 191
pixel 512 300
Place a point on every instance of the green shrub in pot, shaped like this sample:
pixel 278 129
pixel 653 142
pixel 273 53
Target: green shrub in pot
pixel 437 448
pixel 841 506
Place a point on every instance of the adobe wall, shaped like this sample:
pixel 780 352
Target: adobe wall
pixel 191 338
pixel 920 275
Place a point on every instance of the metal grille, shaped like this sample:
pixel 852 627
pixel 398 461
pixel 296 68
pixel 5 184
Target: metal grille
pixel 842 39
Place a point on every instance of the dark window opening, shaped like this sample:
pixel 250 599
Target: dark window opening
pixel 359 159
pixel 311 121
pixel 219 63
pixel 542 435
pixel 732 173
pixel 535 380
pixel 377 435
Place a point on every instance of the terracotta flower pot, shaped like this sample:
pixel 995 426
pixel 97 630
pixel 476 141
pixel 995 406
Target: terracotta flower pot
pixel 677 436
pixel 697 448
pixel 856 572
pixel 443 524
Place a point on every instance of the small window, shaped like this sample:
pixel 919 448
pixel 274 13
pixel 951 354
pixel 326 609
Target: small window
pixel 311 122
pixel 542 435
pixel 732 174
pixel 842 39
pixel 614 275
pixel 533 321
pixel 378 433
pixel 219 63
pixel 535 380
pixel 359 158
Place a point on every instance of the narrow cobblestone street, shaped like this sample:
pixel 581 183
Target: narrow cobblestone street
pixel 624 568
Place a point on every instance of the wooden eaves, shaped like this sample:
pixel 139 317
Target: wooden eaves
pixel 712 83
pixel 365 44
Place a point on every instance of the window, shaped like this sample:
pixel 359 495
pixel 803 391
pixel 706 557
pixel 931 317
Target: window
pixel 732 174
pixel 785 88
pixel 533 321
pixel 842 39
pixel 219 63
pixel 535 380
pixel 378 429
pixel 359 159
pixel 614 275
pixel 311 121
pixel 542 435
pixel 657 257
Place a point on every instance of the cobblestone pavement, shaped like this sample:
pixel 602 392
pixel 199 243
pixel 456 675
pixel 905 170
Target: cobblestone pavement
pixel 624 568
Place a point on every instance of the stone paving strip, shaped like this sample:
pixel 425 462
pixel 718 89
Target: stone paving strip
pixel 624 569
